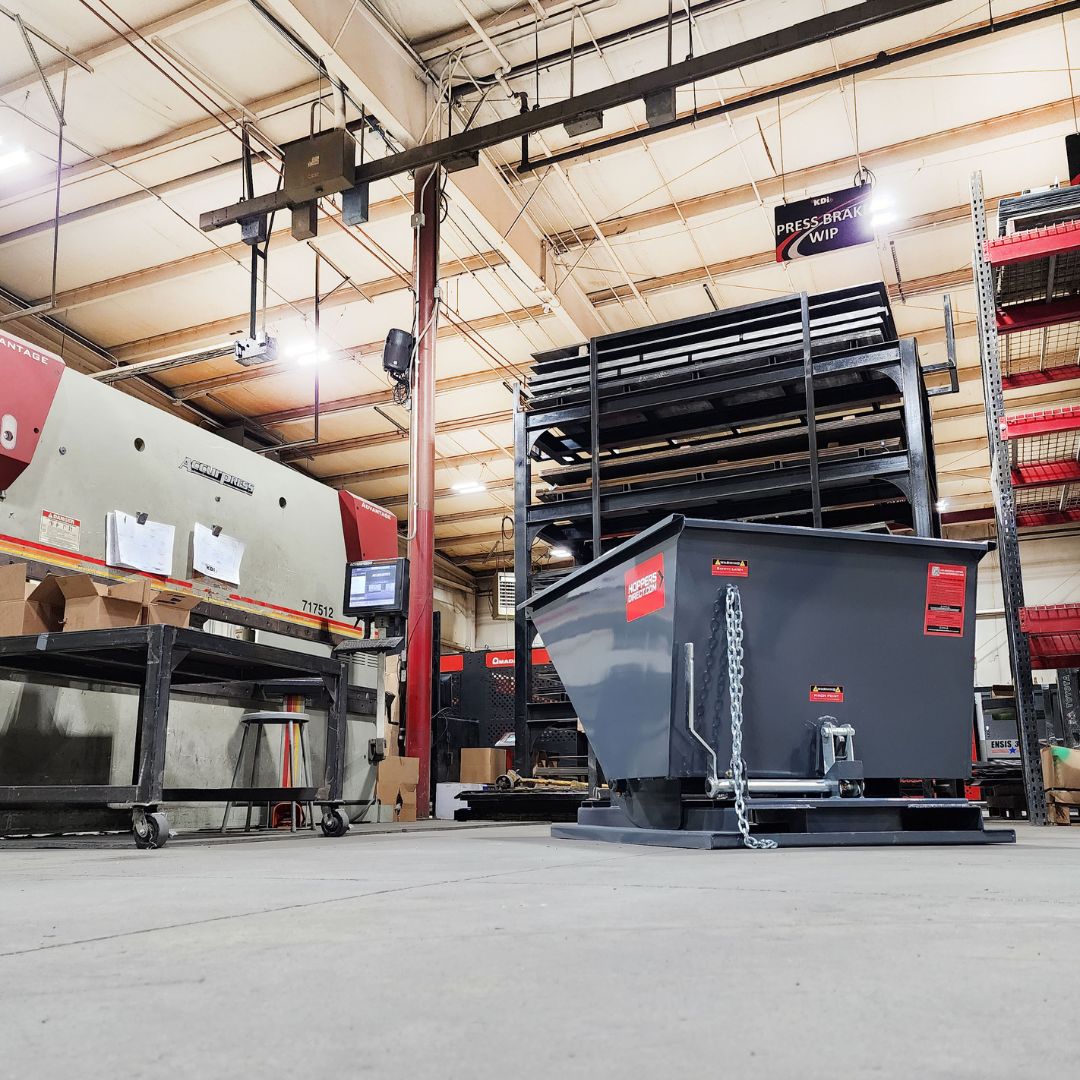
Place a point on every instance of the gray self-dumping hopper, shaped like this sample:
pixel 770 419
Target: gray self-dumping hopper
pixel 862 633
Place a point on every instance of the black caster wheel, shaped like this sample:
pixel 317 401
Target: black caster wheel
pixel 150 830
pixel 335 822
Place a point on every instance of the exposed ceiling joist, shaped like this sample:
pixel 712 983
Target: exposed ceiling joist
pixel 188 16
pixel 391 472
pixel 360 51
pixel 218 330
pixel 821 28
pixel 386 438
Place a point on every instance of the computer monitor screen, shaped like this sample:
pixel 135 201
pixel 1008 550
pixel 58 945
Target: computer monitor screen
pixel 377 585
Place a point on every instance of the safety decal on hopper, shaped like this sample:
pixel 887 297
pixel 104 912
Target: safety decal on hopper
pixel 827 692
pixel 60 531
pixel 946 589
pixel 644 588
pixel 731 568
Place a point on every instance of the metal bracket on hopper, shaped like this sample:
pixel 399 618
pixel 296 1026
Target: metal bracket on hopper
pixel 838 760
pixel 714 786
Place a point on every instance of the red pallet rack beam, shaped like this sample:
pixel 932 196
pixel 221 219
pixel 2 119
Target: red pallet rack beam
pixel 1036 314
pixel 1038 378
pixel 1027 425
pixel 1063 655
pixel 1050 619
pixel 1034 519
pixel 1033 244
pixel 1054 634
pixel 1045 474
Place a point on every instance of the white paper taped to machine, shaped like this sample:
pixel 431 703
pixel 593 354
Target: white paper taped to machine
pixel 135 545
pixel 217 556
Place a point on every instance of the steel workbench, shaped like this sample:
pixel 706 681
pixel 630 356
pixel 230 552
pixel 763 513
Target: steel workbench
pixel 159 661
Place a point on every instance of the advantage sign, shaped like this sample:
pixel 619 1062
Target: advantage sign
pixel 830 222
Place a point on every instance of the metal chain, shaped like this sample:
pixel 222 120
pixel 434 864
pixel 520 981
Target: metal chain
pixel 735 692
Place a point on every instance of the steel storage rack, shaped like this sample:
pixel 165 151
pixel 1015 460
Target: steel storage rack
pixel 805 410
pixel 1027 287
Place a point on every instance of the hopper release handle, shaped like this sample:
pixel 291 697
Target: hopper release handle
pixel 713 786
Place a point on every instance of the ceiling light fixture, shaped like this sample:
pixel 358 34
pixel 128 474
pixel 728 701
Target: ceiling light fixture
pixel 468 487
pixel 306 353
pixel 881 208
pixel 10 158
pixel 560 552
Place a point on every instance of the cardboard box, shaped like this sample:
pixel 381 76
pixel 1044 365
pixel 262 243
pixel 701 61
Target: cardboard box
pixel 1061 778
pixel 26 608
pixel 89 605
pixel 166 606
pixel 396 786
pixel 392 733
pixel 482 766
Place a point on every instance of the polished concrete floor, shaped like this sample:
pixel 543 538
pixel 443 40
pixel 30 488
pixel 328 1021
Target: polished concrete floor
pixel 497 952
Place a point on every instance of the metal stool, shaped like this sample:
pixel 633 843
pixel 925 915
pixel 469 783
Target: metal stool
pixel 259 721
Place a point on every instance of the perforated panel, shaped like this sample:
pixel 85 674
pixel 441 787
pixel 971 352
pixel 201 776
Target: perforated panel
pixel 499 720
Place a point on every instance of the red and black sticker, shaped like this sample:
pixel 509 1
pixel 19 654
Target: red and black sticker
pixel 827 692
pixel 644 588
pixel 730 568
pixel 946 590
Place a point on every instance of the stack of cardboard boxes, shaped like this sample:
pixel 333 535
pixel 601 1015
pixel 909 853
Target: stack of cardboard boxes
pixel 1061 778
pixel 78 602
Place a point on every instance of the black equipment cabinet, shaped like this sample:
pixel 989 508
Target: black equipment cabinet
pixel 807 410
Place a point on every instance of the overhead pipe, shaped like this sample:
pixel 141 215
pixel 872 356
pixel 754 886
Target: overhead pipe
pixel 617 37
pixel 765 97
pixel 817 30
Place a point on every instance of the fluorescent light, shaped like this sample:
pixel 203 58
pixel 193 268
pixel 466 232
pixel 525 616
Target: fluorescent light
pixel 9 159
pixel 942 505
pixel 879 201
pixel 305 353
pixel 878 221
pixel 560 552
pixel 468 487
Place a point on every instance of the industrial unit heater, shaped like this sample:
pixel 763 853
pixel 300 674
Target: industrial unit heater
pixel 855 654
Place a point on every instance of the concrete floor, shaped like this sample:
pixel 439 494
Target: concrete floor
pixel 497 952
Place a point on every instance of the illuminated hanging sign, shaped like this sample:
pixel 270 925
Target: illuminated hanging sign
pixel 840 219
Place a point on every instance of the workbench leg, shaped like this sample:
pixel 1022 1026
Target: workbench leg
pixel 152 829
pixel 335 821
pixel 153 718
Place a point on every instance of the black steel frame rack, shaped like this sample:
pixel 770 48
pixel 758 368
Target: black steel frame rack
pixel 803 410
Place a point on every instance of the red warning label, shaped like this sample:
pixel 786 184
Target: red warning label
pixel 730 568
pixel 946 589
pixel 644 588
pixel 828 692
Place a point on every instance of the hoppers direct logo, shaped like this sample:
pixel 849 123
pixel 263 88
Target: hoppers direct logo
pixel 644 588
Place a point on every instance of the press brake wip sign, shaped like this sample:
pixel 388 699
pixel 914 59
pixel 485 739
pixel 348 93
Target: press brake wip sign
pixel 829 222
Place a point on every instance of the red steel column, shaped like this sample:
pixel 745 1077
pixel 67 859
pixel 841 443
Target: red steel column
pixel 422 514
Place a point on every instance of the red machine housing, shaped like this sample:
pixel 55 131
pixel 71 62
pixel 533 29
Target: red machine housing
pixel 31 376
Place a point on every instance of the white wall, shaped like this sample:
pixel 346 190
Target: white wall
pixel 1051 576
pixel 458 609
pixel 491 633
